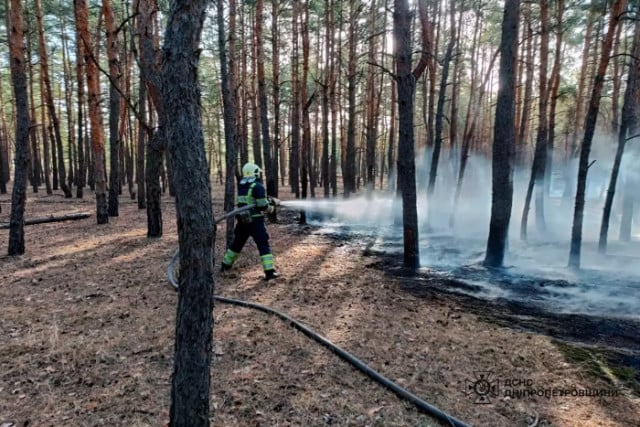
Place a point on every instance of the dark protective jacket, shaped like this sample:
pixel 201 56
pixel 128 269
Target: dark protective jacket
pixel 251 191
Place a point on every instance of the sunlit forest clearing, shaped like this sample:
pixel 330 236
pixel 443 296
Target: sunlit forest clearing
pixel 449 190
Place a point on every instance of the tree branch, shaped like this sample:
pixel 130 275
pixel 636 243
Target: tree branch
pixel 427 42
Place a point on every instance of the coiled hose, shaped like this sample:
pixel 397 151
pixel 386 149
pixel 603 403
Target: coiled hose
pixel 345 355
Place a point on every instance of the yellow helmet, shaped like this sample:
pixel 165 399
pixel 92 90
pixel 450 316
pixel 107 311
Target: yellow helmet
pixel 251 170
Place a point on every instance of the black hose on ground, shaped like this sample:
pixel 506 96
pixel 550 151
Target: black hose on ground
pixel 345 355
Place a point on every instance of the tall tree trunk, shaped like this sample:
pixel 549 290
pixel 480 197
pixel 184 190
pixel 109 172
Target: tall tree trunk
pixel 504 139
pixel 439 119
pixel 114 106
pixel 230 126
pixel 68 99
pixel 333 95
pixel 523 126
pixel 305 103
pixel 628 126
pixel 4 145
pixel 294 159
pixel 143 134
pixel 81 173
pixel 45 141
pixel 391 148
pixel 34 164
pixel 553 91
pixel 582 81
pixel 349 171
pixel 196 232
pixel 252 94
pixel 157 140
pixel 371 125
pixel 95 113
pixel 406 81
pixel 540 156
pixel 616 79
pixel 326 89
pixel 19 82
pixel 590 126
pixel 44 64
pixel 272 179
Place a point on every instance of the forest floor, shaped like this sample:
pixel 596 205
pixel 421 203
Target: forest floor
pixel 87 330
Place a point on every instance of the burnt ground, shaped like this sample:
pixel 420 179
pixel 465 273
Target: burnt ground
pixel 87 328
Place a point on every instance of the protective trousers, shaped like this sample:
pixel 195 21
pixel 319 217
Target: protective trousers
pixel 258 231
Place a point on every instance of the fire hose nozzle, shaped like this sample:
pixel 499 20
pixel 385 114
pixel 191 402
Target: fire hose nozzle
pixel 274 201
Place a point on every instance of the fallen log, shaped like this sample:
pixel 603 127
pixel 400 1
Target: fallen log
pixel 51 218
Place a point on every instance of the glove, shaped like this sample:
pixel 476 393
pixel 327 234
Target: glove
pixel 270 209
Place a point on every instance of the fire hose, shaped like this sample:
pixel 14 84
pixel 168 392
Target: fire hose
pixel 422 405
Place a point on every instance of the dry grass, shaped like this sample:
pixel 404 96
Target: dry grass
pixel 87 326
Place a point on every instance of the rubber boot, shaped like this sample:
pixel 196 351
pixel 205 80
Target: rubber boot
pixel 270 274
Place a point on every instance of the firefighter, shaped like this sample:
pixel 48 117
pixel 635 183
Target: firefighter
pixel 251 222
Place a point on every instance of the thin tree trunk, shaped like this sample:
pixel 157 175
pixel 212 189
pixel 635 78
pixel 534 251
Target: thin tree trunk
pixel 439 119
pixel 582 81
pixel 95 113
pixel 294 159
pixel 540 156
pixel 81 173
pixel 114 107
pixel 275 69
pixel 349 171
pixel 271 177
pixel 157 140
pixel 554 89
pixel 45 141
pixel 230 126
pixel 4 145
pixel 142 141
pixel 34 164
pixel 326 88
pixel 371 125
pixel 44 64
pixel 628 126
pixel 333 94
pixel 523 127
pixel 590 126
pixel 68 97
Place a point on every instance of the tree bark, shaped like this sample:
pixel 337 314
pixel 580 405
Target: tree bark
pixel 406 83
pixel 540 156
pixel 156 140
pixel 114 107
pixel 95 113
pixel 275 69
pixel 271 177
pixel 294 157
pixel 590 126
pixel 196 233
pixel 44 64
pixel 628 127
pixel 504 139
pixel 19 82
pixel 349 170
pixel 230 126
pixel 439 119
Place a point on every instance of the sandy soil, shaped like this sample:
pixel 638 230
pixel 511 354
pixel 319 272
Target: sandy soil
pixel 87 328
